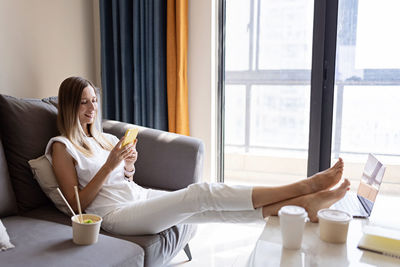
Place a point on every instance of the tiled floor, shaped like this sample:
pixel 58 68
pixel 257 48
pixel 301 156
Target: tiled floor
pixel 219 244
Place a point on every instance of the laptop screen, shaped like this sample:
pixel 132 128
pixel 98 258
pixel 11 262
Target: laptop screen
pixel 370 182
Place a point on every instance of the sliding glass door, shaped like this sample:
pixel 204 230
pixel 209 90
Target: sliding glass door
pixel 304 82
pixel 367 88
pixel 267 90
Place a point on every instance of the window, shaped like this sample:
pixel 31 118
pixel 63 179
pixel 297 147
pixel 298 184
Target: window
pixel 367 88
pixel 267 89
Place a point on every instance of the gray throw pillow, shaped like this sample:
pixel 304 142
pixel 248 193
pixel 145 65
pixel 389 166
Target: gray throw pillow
pixel 26 126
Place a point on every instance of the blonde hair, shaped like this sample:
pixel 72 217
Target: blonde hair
pixel 69 100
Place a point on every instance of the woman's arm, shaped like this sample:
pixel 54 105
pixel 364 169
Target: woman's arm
pixel 64 169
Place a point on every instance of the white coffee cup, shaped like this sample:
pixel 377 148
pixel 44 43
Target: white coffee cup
pixel 85 233
pixel 292 220
pixel 333 225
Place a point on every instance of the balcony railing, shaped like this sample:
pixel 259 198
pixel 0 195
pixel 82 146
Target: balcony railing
pixel 371 77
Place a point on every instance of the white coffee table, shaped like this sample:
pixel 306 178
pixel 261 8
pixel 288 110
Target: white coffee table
pixel 315 252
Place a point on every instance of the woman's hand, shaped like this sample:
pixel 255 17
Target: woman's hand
pixel 118 154
pixel 131 158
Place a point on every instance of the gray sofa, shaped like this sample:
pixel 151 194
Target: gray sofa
pixel 42 235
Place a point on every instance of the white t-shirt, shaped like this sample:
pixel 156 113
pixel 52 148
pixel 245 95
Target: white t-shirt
pixel 116 191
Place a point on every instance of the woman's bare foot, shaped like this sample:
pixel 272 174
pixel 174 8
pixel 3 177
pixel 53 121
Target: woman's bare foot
pixel 266 196
pixel 311 202
pixel 327 178
pixel 324 199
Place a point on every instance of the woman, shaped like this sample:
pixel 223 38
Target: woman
pixel 104 171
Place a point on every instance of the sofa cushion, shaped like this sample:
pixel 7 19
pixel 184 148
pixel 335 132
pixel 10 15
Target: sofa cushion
pixel 4 238
pixel 44 174
pixel 159 249
pixel 43 243
pixel 26 127
pixel 8 204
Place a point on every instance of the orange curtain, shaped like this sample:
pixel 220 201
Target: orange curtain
pixel 177 46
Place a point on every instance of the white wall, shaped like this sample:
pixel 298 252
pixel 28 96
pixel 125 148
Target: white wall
pixel 201 79
pixel 42 42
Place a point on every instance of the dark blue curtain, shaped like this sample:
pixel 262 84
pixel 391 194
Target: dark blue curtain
pixel 133 61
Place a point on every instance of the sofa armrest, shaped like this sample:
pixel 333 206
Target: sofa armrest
pixel 165 160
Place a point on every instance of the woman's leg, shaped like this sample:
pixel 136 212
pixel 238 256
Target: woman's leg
pixel 269 195
pixel 242 216
pixel 161 212
pixel 166 209
pixel 311 202
pixel 263 196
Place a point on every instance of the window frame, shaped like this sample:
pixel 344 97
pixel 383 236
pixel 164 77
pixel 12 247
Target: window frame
pixel 322 85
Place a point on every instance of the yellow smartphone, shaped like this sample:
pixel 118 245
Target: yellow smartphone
pixel 130 136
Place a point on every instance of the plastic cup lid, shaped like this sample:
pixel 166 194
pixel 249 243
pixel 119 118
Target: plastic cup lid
pixel 294 211
pixel 334 215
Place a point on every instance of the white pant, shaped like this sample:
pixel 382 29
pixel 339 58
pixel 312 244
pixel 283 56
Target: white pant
pixel 198 203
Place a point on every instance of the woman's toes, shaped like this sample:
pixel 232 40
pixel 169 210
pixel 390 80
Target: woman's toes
pixel 346 183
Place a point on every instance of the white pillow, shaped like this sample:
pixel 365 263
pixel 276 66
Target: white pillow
pixel 4 238
pixel 44 174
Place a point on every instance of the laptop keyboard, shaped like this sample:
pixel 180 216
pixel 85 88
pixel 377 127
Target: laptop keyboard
pixel 351 204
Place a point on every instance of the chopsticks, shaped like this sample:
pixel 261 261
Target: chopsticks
pixel 66 202
pixel 77 201
pixel 79 204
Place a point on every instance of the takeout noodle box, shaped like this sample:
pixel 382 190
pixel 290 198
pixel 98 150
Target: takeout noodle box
pixel 333 225
pixel 85 233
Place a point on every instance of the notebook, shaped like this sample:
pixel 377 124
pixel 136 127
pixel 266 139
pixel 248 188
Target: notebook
pixel 360 204
pixel 382 240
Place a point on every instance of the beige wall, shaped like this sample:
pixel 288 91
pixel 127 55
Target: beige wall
pixel 44 41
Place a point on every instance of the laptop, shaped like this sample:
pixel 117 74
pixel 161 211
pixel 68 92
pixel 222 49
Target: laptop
pixel 360 204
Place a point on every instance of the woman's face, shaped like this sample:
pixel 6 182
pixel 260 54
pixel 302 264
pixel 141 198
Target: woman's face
pixel 88 107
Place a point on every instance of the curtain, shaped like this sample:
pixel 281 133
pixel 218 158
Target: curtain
pixel 177 46
pixel 133 61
